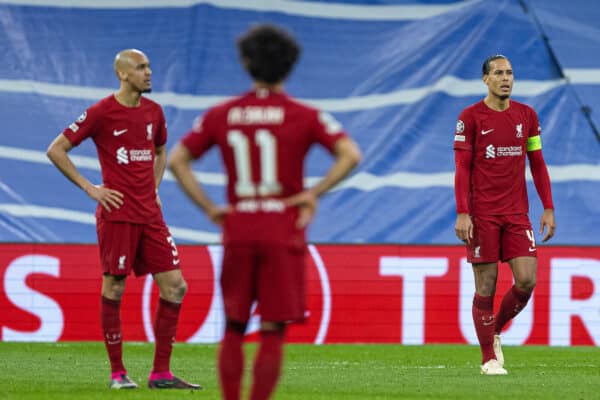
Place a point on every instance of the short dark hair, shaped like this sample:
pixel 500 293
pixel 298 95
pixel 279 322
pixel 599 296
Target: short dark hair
pixel 486 64
pixel 268 53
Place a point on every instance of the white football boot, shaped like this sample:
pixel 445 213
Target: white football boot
pixel 498 350
pixel 493 367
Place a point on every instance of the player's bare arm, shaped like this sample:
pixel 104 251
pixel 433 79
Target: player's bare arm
pixel 160 163
pixel 347 157
pixel 180 164
pixel 57 153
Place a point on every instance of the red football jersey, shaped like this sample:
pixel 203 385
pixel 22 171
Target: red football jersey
pixel 498 142
pixel 263 138
pixel 125 138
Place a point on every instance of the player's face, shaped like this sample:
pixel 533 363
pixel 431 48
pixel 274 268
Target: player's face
pixel 139 74
pixel 500 79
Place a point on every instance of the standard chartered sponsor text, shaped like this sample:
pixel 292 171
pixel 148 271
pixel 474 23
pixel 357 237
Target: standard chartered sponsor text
pixel 509 151
pixel 140 155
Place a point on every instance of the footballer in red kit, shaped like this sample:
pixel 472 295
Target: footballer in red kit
pixel 130 135
pixel 491 141
pixel 125 138
pixel 498 142
pixel 263 137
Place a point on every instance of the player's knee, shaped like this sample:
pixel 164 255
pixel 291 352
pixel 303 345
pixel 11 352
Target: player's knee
pixel 487 288
pixel 172 286
pixel 178 290
pixel 118 291
pixel 182 289
pixel 527 284
pixel 113 289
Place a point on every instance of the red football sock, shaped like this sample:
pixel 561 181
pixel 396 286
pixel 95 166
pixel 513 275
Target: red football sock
pixel 110 317
pixel 165 326
pixel 231 364
pixel 483 319
pixel 513 302
pixel 267 365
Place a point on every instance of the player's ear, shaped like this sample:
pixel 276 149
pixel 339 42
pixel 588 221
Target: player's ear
pixel 121 75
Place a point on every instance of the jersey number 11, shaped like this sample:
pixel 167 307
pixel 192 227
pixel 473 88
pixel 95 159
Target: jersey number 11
pixel 267 144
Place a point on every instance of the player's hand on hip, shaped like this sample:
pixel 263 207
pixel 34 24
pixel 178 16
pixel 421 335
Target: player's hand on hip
pixel 306 201
pixel 464 227
pixel 217 214
pixel 110 199
pixel 549 222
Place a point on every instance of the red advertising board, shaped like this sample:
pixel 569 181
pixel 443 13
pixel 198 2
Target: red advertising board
pixel 356 294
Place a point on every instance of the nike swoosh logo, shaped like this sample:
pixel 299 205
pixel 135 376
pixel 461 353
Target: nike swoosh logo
pixel 531 250
pixel 486 132
pixel 176 261
pixel 117 133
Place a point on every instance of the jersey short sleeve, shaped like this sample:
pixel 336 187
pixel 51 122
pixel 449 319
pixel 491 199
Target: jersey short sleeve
pixel 328 130
pixel 161 134
pixel 201 137
pixel 83 127
pixel 464 133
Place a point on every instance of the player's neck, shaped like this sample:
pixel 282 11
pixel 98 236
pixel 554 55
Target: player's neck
pixel 128 98
pixel 272 87
pixel 497 103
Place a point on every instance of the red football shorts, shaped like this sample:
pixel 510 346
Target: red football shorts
pixel 143 248
pixel 501 237
pixel 273 275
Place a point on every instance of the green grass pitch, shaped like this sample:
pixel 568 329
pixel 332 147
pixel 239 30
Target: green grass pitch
pixel 80 371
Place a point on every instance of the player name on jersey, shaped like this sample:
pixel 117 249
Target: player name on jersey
pixel 254 115
pixel 252 206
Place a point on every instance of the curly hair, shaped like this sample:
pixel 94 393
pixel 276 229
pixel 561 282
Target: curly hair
pixel 268 53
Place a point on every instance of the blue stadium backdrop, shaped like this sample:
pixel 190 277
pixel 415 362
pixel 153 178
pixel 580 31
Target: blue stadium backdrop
pixel 395 73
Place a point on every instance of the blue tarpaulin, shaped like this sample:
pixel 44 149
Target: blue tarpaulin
pixel 396 74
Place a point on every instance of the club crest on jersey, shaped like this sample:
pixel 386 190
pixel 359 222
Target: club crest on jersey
pixel 519 128
pixel 460 126
pixel 149 131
